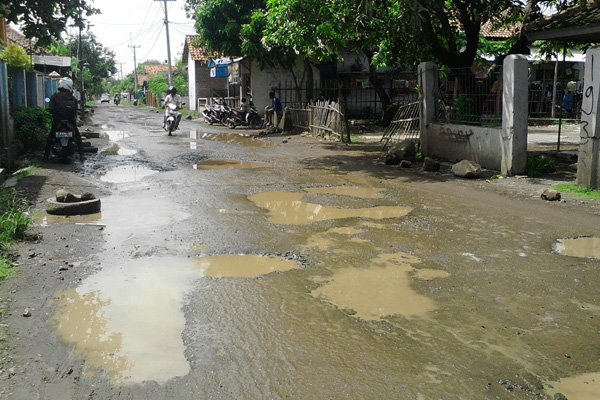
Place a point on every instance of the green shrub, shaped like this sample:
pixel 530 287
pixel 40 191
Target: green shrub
pixel 31 127
pixel 540 165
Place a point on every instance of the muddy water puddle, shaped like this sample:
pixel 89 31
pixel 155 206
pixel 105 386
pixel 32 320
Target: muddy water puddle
pixel 288 208
pixel 363 193
pixel 126 174
pixel 580 387
pixel 230 164
pixel 232 138
pixel 127 319
pixel 42 218
pixel 381 289
pixel 579 247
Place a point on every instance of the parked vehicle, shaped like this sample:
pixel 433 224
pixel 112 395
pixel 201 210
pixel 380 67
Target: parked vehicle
pixel 216 113
pixel 64 145
pixel 250 119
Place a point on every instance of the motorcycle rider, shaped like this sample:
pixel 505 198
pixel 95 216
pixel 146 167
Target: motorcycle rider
pixel 175 98
pixel 117 99
pixel 63 106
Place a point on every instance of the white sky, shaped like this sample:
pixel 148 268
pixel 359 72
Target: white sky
pixel 125 23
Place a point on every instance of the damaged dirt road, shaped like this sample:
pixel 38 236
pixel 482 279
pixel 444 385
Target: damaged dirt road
pixel 232 267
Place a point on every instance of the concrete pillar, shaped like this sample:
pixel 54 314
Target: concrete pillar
pixel 588 163
pixel 514 115
pixel 428 94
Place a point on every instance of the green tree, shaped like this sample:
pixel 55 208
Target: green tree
pixel 158 85
pixel 219 22
pixel 96 62
pixel 45 20
pixel 16 56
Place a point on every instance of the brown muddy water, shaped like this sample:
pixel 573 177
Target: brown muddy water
pixel 288 208
pixel 378 311
pixel 127 319
pixel 579 247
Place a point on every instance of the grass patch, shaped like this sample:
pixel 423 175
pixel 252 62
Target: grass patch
pixel 112 151
pixel 578 191
pixel 13 226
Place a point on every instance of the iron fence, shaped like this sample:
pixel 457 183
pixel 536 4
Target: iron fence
pixel 359 98
pixel 471 96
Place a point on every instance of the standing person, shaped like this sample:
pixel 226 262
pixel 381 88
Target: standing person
pixel 63 106
pixel 175 98
pixel 275 107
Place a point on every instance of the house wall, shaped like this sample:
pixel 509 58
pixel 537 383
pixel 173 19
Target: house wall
pixel 207 87
pixel 193 102
pixel 465 142
pixel 263 81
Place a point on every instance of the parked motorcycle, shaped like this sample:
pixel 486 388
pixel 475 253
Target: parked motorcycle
pixel 171 116
pixel 250 119
pixel 64 145
pixel 216 113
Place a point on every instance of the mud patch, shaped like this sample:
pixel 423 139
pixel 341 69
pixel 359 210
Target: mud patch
pixel 128 320
pixel 242 266
pixel 230 164
pixel 126 174
pixel 288 208
pixel 379 290
pixel 234 138
pixel 579 247
pixel 580 387
pixel 363 193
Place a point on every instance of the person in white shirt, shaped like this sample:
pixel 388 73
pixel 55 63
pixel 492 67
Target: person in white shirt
pixel 175 98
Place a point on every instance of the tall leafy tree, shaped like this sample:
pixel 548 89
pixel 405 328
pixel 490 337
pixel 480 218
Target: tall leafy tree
pixel 218 23
pixel 44 20
pixel 95 62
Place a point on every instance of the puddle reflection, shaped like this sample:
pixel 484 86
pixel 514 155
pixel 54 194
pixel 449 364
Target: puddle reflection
pixel 115 136
pixel 129 323
pixel 233 138
pixel 579 247
pixel 126 173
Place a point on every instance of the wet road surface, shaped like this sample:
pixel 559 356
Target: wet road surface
pixel 236 267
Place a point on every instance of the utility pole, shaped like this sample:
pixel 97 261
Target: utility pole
pixel 168 43
pixel 135 82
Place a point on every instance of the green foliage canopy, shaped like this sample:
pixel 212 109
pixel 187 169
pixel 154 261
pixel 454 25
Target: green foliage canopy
pixel 16 56
pixel 45 20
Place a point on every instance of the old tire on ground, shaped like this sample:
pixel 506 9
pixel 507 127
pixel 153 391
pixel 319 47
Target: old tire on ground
pixel 53 207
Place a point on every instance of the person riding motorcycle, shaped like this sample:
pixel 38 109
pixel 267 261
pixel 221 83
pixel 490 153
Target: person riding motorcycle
pixel 172 97
pixel 63 106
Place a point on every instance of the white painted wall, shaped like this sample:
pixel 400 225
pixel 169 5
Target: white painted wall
pixel 193 101
pixel 465 142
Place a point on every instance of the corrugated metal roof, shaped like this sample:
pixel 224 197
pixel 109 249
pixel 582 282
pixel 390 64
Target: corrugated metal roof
pixel 580 23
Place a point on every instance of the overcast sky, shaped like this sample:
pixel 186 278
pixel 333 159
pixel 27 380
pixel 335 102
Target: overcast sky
pixel 126 23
